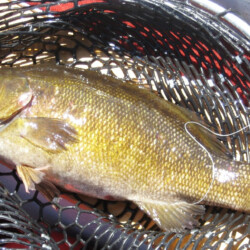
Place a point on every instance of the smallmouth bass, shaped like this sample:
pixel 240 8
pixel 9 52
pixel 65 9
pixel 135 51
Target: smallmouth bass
pixel 96 135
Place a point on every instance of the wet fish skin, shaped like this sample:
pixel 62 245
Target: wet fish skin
pixel 96 135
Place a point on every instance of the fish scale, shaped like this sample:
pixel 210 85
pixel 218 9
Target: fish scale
pixel 96 135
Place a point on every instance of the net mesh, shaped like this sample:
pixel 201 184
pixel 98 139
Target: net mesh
pixel 176 50
pixel 18 228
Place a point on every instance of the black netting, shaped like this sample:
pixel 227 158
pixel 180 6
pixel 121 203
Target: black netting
pixel 190 57
pixel 18 228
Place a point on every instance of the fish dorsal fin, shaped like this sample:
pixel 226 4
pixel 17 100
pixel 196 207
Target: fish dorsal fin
pixel 174 216
pixel 168 109
pixel 208 139
pixel 182 115
pixel 202 135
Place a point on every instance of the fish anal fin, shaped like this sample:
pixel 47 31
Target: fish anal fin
pixel 174 216
pixel 47 133
pixel 209 140
pixel 203 132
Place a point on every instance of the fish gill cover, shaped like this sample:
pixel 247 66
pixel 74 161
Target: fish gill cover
pixel 187 55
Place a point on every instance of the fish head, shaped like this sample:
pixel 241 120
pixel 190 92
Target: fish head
pixel 15 94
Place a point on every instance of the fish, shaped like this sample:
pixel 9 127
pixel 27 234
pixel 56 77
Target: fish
pixel 97 135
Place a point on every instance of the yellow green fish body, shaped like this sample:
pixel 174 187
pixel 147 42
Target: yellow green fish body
pixel 96 135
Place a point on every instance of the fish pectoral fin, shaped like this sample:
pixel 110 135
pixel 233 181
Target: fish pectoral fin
pixel 47 133
pixel 30 176
pixel 174 216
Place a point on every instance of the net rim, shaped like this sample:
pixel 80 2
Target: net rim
pixel 226 14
